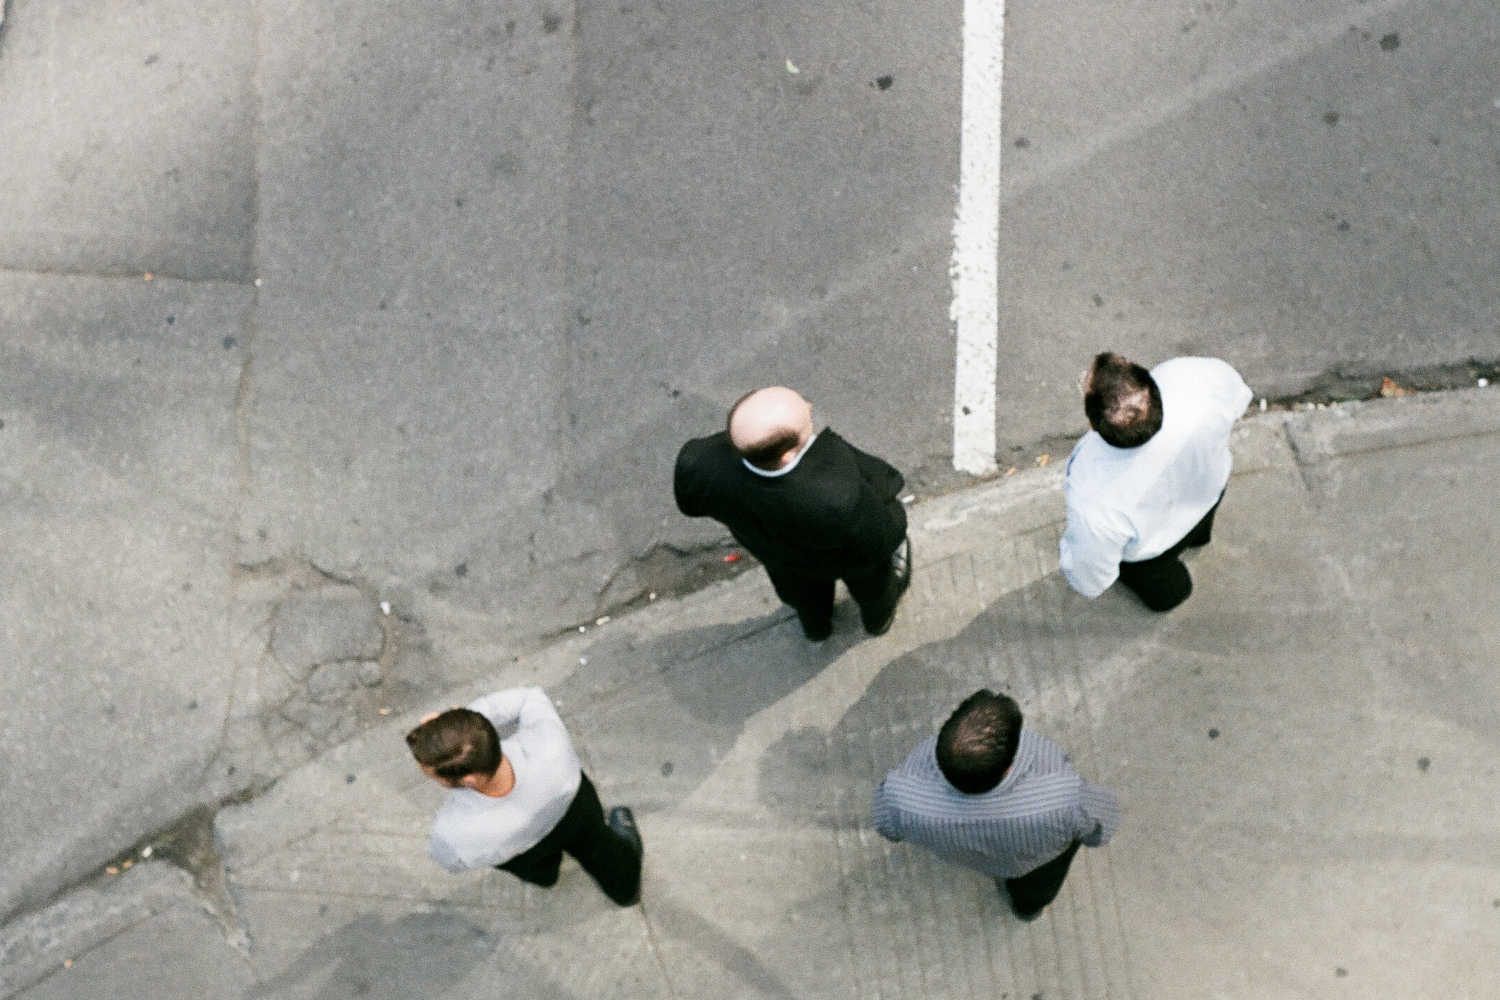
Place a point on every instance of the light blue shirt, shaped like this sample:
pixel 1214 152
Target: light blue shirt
pixel 1135 503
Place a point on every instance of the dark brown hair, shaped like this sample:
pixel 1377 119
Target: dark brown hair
pixel 458 742
pixel 977 744
pixel 1122 401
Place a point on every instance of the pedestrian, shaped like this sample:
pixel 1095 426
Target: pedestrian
pixel 1144 484
pixel 520 806
pixel 810 506
pixel 994 795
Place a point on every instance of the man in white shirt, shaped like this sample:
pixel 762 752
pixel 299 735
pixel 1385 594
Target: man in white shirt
pixel 1145 482
pixel 519 808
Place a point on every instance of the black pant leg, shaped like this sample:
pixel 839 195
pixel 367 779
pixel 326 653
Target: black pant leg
pixel 539 865
pixel 876 591
pixel 1031 892
pixel 1203 531
pixel 609 858
pixel 810 597
pixel 1161 583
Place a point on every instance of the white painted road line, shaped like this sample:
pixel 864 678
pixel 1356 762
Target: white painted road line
pixel 976 235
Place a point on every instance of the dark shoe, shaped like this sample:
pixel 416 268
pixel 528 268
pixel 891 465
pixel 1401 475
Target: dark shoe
pixel 901 573
pixel 622 824
pixel 1027 915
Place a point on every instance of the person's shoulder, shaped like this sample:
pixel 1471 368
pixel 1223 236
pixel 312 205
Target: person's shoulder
pixel 1194 373
pixel 712 448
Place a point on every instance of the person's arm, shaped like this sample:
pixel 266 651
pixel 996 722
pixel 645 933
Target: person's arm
pixel 523 706
pixel 1226 387
pixel 1101 815
pixel 1089 553
pixel 443 853
pixel 687 486
pixel 884 815
pixel 884 478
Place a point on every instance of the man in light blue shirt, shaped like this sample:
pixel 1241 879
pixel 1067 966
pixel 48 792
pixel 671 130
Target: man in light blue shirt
pixel 1144 484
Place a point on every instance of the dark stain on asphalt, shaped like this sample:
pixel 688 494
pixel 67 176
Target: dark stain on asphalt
pixel 1423 763
pixel 1213 734
pixel 1331 119
pixel 551 22
pixel 229 343
pixel 884 82
pixel 1341 972
pixel 1022 142
pixel 462 569
pixel 1098 300
pixel 1391 42
pixel 666 769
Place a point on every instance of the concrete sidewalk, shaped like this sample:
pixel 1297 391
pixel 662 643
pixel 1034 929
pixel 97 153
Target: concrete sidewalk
pixel 1305 753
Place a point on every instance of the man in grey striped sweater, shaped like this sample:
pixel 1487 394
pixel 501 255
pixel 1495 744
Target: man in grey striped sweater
pixel 992 795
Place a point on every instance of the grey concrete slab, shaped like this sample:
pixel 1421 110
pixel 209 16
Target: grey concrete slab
pixel 751 207
pixel 129 137
pixel 44 944
pixel 404 404
pixel 1288 186
pixel 118 489
pixel 1302 751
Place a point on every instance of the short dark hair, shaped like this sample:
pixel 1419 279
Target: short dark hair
pixel 1122 401
pixel 456 743
pixel 977 744
pixel 765 453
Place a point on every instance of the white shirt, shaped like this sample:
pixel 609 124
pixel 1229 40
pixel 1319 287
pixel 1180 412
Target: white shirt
pixel 1135 503
pixel 474 830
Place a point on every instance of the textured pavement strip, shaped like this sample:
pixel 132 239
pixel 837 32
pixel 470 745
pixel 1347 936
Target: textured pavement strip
pixel 760 830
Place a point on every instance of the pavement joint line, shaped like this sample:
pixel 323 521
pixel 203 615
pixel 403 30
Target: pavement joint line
pixel 136 276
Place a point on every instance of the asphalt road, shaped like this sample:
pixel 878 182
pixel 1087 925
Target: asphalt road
pixel 362 302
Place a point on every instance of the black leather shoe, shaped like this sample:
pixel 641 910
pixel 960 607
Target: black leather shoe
pixel 622 822
pixel 901 571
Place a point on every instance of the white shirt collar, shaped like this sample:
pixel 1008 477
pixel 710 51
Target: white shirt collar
pixel 788 467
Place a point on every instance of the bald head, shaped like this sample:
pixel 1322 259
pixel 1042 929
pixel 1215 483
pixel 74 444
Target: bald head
pixel 768 426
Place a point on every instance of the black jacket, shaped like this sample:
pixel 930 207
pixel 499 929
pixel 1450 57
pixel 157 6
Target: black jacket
pixel 836 512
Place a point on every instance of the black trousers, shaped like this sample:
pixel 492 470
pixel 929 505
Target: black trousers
pixel 1162 582
pixel 876 591
pixel 1031 892
pixel 582 832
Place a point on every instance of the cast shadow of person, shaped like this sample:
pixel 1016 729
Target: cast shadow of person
pixel 1042 644
pixel 655 716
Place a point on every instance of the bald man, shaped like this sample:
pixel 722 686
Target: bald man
pixel 810 506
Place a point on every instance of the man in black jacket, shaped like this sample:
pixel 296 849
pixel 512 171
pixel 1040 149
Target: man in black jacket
pixel 810 506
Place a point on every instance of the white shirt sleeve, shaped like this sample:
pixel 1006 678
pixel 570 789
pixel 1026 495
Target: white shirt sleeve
pixel 1090 552
pixel 444 854
pixel 524 706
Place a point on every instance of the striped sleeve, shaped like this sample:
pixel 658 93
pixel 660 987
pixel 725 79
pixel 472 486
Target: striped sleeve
pixel 884 815
pixel 1101 812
